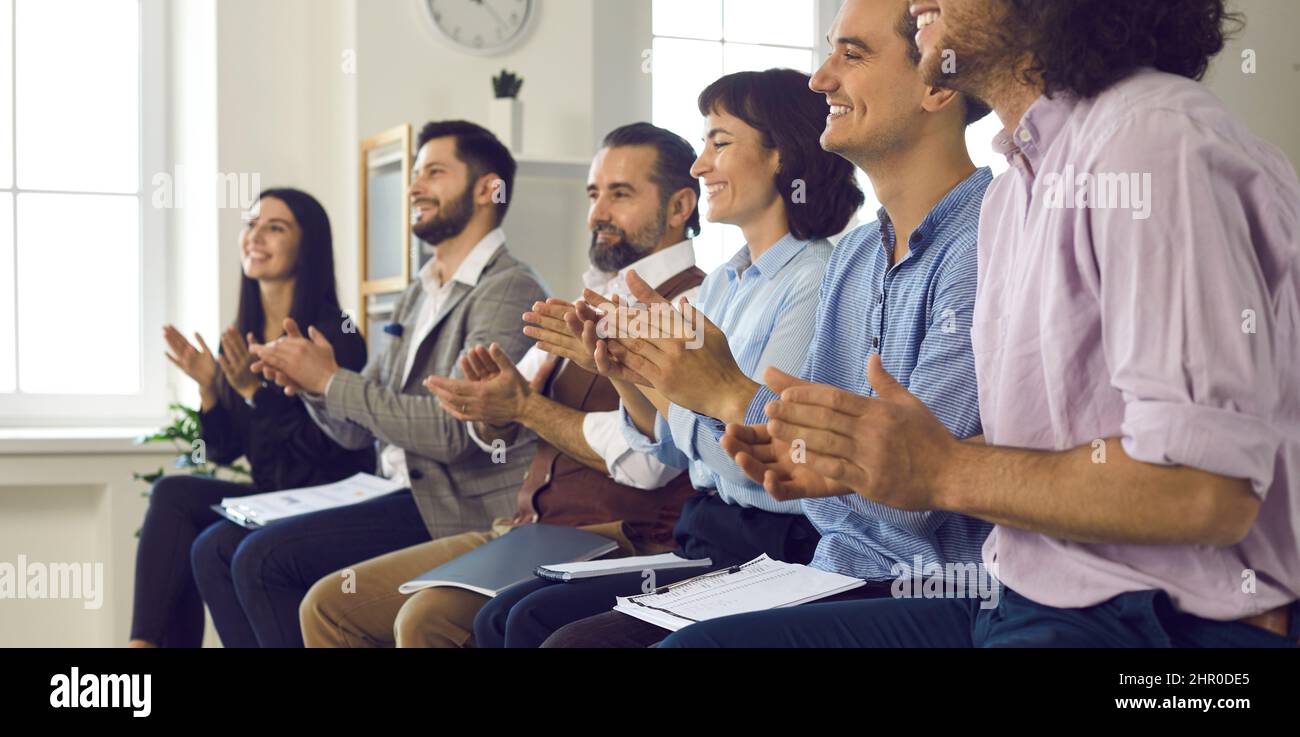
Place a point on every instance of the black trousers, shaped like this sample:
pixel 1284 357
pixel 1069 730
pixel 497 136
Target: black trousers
pixel 525 615
pixel 167 610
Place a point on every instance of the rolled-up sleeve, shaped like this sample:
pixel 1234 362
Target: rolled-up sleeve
pixel 1187 319
pixel 660 447
pixel 640 470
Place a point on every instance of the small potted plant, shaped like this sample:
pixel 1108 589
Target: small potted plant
pixel 506 116
pixel 186 435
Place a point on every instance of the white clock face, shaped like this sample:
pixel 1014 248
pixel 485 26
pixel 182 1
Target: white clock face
pixel 482 26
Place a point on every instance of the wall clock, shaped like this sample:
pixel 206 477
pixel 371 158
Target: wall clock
pixel 482 27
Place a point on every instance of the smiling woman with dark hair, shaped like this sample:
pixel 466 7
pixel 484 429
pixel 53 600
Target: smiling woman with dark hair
pixel 765 173
pixel 287 255
pixel 818 189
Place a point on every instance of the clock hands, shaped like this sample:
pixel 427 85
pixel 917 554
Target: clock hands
pixel 483 4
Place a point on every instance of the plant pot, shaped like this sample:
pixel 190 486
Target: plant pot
pixel 506 120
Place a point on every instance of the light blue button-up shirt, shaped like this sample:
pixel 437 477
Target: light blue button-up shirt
pixel 766 308
pixel 917 315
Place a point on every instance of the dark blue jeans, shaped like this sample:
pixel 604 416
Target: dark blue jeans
pixel 527 614
pixel 254 581
pixel 1139 619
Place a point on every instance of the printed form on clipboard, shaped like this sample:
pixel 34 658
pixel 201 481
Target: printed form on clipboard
pixel 260 510
pixel 756 586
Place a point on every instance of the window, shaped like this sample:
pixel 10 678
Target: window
pixel 697 41
pixel 80 259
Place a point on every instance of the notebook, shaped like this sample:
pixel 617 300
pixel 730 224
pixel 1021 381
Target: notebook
pixel 756 586
pixel 595 569
pixel 512 558
pixel 260 510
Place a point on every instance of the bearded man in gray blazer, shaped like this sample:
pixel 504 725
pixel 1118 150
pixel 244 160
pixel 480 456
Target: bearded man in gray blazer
pixel 472 293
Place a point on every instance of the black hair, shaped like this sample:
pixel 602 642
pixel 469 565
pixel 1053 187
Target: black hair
pixel 1082 47
pixel 673 163
pixel 481 152
pixel 314 288
pixel 791 117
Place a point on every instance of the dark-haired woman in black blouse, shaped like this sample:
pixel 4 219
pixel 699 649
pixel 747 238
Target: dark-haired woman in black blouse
pixel 288 272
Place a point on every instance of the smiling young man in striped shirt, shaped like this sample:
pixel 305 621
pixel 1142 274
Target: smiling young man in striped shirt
pixel 910 275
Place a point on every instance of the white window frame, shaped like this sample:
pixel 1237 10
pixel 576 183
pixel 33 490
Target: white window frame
pixel 824 12
pixel 149 404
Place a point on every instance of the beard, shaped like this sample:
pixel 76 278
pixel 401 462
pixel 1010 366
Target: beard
pixel 450 221
pixel 981 49
pixel 628 249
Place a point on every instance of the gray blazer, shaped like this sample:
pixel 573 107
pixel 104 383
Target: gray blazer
pixel 457 487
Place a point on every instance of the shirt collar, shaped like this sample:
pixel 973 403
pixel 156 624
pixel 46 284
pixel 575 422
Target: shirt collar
pixel 471 269
pixel 954 200
pixel 655 269
pixel 1038 128
pixel 771 262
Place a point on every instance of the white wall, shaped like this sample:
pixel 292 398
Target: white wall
pixel 72 502
pixel 1269 99
pixel 408 75
pixel 286 109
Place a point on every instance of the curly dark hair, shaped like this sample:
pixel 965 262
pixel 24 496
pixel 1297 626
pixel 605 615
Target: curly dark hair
pixel 791 117
pixel 1085 46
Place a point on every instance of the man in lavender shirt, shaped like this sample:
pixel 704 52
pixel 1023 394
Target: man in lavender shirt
pixel 1136 336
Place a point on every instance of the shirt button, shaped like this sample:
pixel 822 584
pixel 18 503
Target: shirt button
pixel 881 299
pixel 1025 136
pixel 875 342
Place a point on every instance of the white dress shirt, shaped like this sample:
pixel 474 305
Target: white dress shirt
pixel 603 430
pixel 393 459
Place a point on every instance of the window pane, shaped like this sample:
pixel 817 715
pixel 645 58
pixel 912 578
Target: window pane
pixel 871 207
pixel 785 22
pixel 716 244
pixel 688 18
pixel 6 94
pixel 78 70
pixel 383 239
pixel 79 296
pixel 8 355
pixel 746 58
pixel 979 141
pixel 682 69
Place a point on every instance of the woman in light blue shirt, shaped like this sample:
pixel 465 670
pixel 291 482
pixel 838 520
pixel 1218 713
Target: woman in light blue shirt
pixel 765 172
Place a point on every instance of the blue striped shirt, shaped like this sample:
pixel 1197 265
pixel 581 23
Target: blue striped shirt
pixel 764 308
pixel 917 315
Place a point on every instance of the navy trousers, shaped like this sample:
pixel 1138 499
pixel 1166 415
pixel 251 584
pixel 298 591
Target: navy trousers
pixel 1139 619
pixel 254 581
pixel 526 615
pixel 168 611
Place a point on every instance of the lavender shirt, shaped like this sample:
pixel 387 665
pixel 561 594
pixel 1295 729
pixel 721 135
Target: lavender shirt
pixel 1166 315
